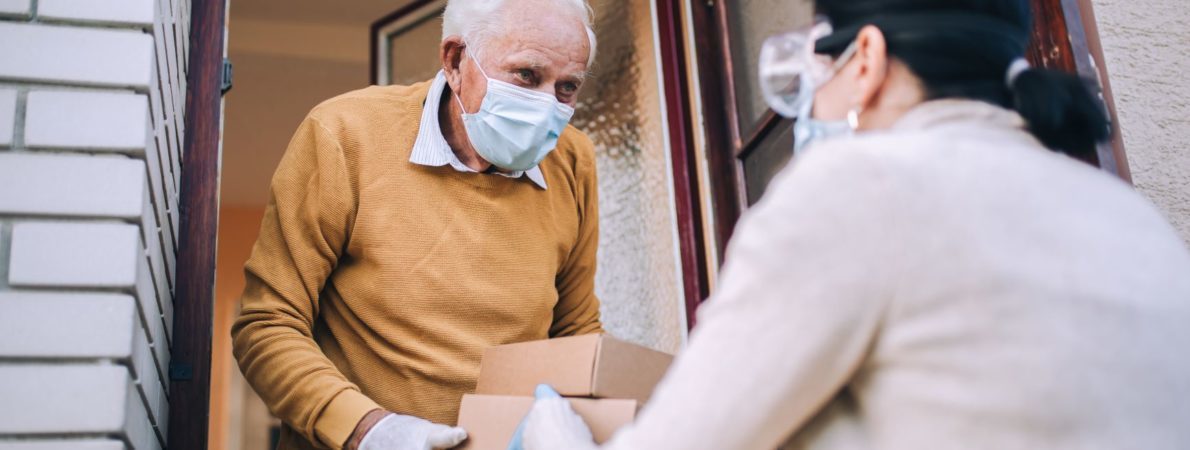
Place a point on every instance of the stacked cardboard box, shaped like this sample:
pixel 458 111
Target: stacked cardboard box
pixel 605 379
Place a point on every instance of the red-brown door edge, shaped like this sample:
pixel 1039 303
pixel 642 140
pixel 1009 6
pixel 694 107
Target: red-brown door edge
pixel 685 169
pixel 190 364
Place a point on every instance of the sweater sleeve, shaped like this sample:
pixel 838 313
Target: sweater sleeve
pixel 577 311
pixel 801 296
pixel 304 231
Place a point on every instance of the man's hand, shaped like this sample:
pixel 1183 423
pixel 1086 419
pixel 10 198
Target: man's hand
pixel 382 430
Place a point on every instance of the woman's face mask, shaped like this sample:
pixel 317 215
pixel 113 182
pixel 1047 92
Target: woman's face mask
pixel 515 128
pixel 791 74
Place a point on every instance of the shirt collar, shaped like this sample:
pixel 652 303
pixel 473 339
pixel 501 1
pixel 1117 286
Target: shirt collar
pixel 431 149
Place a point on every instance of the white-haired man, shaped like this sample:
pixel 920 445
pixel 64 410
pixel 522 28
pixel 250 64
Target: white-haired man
pixel 411 227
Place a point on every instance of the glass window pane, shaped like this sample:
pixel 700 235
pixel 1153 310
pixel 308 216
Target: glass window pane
pixel 638 277
pixel 769 157
pixel 413 51
pixel 750 23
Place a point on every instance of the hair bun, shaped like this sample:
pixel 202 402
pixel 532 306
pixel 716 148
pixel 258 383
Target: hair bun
pixel 1060 110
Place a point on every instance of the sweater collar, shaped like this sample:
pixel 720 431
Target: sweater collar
pixel 948 111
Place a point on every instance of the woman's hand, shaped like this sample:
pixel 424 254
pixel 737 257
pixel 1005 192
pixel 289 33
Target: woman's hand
pixel 552 424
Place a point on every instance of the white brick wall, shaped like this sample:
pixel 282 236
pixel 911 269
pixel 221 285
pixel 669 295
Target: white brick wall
pixel 92 100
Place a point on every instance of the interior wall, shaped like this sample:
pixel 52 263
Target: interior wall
pixel 236 420
pixel 1146 44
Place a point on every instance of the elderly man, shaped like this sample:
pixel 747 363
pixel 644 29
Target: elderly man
pixel 410 228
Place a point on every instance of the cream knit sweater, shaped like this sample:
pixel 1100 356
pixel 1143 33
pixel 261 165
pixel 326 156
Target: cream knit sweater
pixel 945 284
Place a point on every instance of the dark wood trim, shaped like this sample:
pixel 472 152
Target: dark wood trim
pixel 194 297
pixel 764 127
pixel 685 170
pixel 720 120
pixel 373 57
pixel 1050 48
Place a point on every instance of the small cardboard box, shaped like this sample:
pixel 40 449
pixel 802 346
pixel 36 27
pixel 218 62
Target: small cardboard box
pixel 597 366
pixel 491 420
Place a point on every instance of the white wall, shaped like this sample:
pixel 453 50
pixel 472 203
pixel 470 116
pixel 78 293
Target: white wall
pixel 91 105
pixel 1147 47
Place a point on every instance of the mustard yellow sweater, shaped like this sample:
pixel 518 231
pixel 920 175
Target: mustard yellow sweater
pixel 378 283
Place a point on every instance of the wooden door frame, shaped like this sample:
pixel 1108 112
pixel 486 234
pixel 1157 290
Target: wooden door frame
pixel 1066 29
pixel 683 156
pixel 194 297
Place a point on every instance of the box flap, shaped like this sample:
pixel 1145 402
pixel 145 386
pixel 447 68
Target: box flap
pixel 567 364
pixel 624 370
pixel 491 420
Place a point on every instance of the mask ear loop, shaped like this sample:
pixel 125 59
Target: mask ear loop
pixel 470 54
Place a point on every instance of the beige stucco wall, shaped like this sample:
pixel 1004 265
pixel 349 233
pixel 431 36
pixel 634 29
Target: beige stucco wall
pixel 1147 47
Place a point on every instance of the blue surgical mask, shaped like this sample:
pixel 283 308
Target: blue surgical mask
pixel 808 130
pixel 515 128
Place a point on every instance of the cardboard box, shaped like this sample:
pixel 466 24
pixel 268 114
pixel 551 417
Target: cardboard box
pixel 597 366
pixel 491 420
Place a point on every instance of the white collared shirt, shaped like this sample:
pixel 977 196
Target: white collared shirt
pixel 431 149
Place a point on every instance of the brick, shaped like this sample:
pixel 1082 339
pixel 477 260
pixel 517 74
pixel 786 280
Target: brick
pixel 87 120
pixel 8 110
pixel 81 254
pixel 138 12
pixel 88 444
pixel 154 321
pixel 15 7
pixel 71 185
pixel 93 56
pixel 61 325
pixel 41 399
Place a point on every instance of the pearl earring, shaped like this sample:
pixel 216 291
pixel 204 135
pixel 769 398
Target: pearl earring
pixel 853 119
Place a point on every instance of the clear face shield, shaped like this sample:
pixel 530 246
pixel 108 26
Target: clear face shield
pixel 790 70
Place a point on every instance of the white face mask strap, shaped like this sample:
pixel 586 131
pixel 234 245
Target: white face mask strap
pixel 470 54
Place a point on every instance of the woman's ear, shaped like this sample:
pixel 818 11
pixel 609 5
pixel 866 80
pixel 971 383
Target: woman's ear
pixel 871 61
pixel 451 54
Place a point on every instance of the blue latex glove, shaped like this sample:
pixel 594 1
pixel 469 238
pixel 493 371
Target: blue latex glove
pixel 542 391
pixel 552 425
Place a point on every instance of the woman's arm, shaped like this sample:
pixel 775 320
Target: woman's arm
pixel 799 306
pixel 801 298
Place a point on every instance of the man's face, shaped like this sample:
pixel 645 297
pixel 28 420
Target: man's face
pixel 541 52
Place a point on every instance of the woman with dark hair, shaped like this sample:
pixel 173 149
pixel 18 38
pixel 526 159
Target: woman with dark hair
pixel 928 274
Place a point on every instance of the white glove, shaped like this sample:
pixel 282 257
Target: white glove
pixel 553 425
pixel 397 432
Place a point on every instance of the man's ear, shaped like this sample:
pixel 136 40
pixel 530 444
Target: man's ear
pixel 451 54
pixel 872 58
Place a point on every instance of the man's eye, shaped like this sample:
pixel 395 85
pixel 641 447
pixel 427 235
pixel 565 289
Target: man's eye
pixel 525 75
pixel 569 88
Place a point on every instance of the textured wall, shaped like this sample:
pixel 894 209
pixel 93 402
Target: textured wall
pixel 91 106
pixel 1147 46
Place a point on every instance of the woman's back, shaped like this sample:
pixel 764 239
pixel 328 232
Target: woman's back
pixel 1036 302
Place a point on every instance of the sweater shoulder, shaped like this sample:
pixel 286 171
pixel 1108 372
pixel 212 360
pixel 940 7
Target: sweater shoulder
pixel 370 105
pixel 576 149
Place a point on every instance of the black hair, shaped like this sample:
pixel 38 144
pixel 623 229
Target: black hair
pixel 963 49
